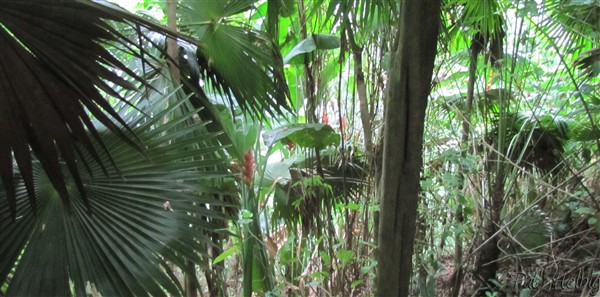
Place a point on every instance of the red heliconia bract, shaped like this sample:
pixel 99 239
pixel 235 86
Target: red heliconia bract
pixel 249 166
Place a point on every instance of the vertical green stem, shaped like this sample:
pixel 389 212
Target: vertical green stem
pixel 248 242
pixel 253 251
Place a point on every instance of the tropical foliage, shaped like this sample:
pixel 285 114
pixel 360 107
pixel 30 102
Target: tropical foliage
pixel 240 149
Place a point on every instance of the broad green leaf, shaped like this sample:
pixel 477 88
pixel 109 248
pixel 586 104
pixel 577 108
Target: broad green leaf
pixel 225 254
pixel 530 230
pixel 345 256
pixel 585 211
pixel 525 292
pixel 326 41
pixel 277 172
pixel 352 206
pixel 325 257
pixel 305 46
pixel 306 135
pixel 316 41
pixel 286 252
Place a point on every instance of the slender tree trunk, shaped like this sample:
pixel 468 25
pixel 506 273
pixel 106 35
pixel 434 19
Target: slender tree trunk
pixel 309 81
pixel 458 275
pixel 310 84
pixel 190 280
pixel 172 47
pixel 361 89
pixel 486 258
pixel 409 87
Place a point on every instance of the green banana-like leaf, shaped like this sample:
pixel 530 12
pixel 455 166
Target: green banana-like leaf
pixel 143 219
pixel 316 41
pixel 306 135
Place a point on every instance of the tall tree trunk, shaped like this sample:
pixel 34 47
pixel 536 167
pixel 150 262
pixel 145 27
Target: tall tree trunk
pixel 310 84
pixel 409 87
pixel 190 280
pixel 361 89
pixel 485 263
pixel 475 49
pixel 172 47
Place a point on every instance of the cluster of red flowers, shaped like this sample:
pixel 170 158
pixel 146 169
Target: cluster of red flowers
pixel 325 120
pixel 249 166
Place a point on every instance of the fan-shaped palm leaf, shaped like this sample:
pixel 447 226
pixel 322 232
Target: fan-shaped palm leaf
pixel 234 60
pixel 535 142
pixel 589 61
pixel 149 215
pixel 54 73
pixel 367 14
pixel 572 23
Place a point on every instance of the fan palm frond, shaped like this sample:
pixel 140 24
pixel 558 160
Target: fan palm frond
pixel 589 62
pixel 233 60
pixel 367 14
pixel 55 71
pixel 486 24
pixel 151 215
pixel 571 25
pixel 535 142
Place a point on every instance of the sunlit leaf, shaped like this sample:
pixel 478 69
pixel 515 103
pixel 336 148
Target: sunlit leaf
pixel 227 253
pixel 316 41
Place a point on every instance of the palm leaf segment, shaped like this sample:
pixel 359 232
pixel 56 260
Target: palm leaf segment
pixel 148 217
pixel 535 142
pixel 487 28
pixel 572 22
pixel 589 61
pixel 232 59
pixel 54 71
pixel 575 25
